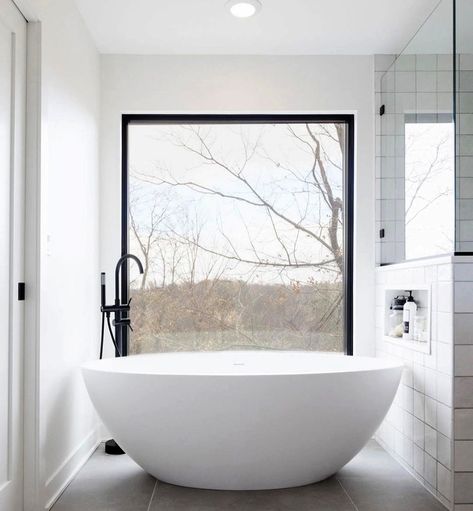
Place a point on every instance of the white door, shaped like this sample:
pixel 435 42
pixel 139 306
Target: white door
pixel 12 204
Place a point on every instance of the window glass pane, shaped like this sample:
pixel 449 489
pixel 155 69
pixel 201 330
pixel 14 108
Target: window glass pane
pixel 240 230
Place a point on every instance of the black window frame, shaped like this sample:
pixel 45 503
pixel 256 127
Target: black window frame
pixel 348 191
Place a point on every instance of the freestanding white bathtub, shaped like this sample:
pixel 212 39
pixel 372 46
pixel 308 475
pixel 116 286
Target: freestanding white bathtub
pixel 242 420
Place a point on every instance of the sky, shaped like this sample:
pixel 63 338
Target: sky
pixel 170 171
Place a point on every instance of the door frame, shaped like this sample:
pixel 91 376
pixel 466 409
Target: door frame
pixel 349 190
pixel 32 494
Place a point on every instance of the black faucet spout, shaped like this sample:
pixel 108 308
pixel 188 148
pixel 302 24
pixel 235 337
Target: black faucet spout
pixel 118 268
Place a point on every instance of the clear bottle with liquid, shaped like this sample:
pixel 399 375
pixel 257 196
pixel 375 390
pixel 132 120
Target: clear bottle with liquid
pixel 395 316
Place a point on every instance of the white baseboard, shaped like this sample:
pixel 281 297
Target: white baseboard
pixel 69 468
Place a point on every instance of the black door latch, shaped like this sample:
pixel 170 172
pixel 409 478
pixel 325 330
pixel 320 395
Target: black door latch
pixel 21 291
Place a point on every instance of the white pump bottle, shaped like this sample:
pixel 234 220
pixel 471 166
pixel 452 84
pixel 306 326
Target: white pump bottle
pixel 408 317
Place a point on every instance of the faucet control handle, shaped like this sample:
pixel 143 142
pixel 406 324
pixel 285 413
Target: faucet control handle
pixel 115 308
pixel 123 322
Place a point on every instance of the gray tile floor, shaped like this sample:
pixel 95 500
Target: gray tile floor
pixel 373 481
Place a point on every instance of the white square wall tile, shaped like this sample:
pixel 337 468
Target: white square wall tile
pixel 408 425
pixel 426 81
pixel 466 230
pixel 426 102
pixel 465 207
pixel 444 322
pixel 427 62
pixel 463 488
pixel 464 297
pixel 430 273
pixel 430 470
pixel 444 419
pixel 407 451
pixel 383 62
pixel 444 297
pixel 407 376
pixel 444 450
pixel 466 145
pixel 464 272
pixel 419 405
pixel 444 481
pixel 466 124
pixel 463 392
pixel 430 359
pixel 430 383
pixel 398 443
pixel 444 501
pixel 418 373
pixel 463 328
pixel 464 360
pixel 430 414
pixel 405 63
pixel 466 61
pixel 419 460
pixel 445 272
pixel 465 103
pixel 407 397
pixel 434 297
pixel 430 440
pixel 388 209
pixel 445 101
pixel 387 188
pixel 445 389
pixel 444 81
pixel 444 358
pixel 405 81
pixel 464 424
pixel 445 62
pixel 464 455
pixel 465 79
pixel 465 190
pixel 419 434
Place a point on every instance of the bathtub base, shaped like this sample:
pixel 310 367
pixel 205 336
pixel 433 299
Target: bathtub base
pixel 111 447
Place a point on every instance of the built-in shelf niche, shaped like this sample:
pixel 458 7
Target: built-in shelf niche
pixel 422 297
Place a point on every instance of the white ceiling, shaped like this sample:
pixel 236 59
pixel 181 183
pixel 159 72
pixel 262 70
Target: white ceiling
pixel 282 27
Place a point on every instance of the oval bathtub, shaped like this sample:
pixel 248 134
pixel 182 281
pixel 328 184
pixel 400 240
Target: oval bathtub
pixel 242 420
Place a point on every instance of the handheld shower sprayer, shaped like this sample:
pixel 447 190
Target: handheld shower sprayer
pixel 102 290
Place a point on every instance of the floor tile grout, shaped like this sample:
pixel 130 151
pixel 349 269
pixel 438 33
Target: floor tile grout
pixel 152 495
pixel 347 494
pixel 358 478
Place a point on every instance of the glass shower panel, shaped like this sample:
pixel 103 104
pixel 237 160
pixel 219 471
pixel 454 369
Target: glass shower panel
pixel 415 192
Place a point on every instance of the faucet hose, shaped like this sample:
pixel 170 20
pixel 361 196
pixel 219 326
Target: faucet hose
pixel 111 335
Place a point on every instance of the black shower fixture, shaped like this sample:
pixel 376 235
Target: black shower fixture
pixel 120 321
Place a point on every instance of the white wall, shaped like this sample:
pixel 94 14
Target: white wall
pixel 69 240
pixel 244 84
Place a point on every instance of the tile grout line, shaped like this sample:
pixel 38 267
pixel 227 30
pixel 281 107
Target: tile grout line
pixel 347 494
pixel 152 495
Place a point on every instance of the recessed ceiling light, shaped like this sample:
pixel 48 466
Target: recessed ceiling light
pixel 244 8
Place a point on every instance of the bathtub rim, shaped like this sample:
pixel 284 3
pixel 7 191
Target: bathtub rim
pixel 103 366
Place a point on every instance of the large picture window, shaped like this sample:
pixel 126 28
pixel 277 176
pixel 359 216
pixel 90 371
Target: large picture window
pixel 244 227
